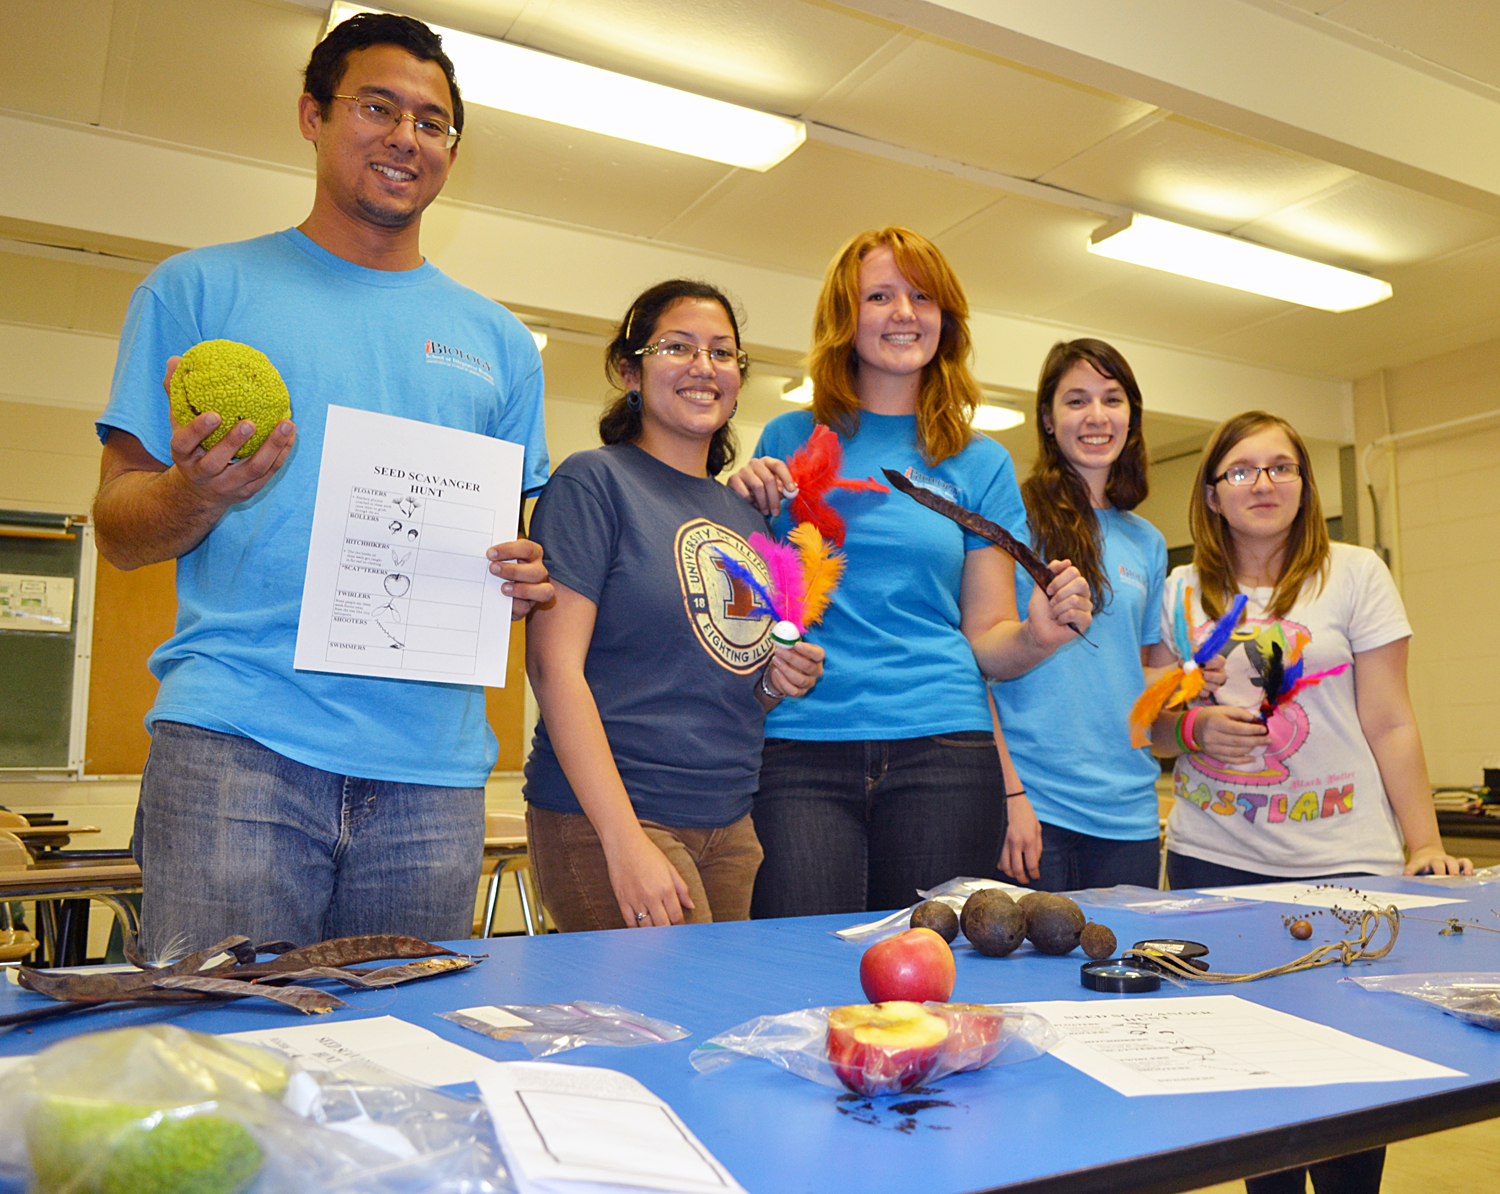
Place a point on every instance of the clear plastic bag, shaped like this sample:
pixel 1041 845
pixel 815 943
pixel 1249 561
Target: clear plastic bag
pixel 953 893
pixel 163 1110
pixel 978 1035
pixel 1481 877
pixel 1473 997
pixel 1153 902
pixel 547 1028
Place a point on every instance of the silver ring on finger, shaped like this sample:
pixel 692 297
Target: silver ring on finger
pixel 639 916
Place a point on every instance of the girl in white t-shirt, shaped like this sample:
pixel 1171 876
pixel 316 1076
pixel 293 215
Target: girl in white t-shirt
pixel 1332 781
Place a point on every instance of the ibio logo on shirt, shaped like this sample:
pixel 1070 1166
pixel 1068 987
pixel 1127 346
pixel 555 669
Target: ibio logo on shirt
pixel 729 620
pixel 437 353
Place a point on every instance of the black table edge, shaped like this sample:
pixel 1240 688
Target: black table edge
pixel 1305 1143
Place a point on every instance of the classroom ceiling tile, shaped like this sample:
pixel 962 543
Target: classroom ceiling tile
pixel 1149 304
pixel 243 103
pixel 538 168
pixel 797 215
pixel 775 55
pixel 978 109
pixel 1179 169
pixel 1366 224
pixel 1461 35
pixel 53 56
pixel 1439 306
pixel 1022 256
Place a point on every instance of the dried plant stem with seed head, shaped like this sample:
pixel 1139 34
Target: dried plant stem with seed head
pixel 1347 951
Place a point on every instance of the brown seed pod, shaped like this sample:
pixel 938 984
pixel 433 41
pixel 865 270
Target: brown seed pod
pixel 937 916
pixel 1301 930
pixel 1098 941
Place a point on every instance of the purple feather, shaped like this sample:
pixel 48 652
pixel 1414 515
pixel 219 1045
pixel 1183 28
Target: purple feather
pixel 739 572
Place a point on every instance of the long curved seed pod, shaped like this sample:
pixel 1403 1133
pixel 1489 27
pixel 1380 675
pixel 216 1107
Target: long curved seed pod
pixel 982 527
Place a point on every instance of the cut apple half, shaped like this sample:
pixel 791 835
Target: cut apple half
pixel 973 1035
pixel 885 1048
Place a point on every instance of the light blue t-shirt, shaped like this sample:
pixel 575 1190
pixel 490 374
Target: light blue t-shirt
pixel 410 343
pixel 1066 721
pixel 897 664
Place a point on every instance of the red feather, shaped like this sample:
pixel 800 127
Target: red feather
pixel 815 468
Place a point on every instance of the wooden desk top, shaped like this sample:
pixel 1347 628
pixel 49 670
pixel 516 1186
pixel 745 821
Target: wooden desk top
pixel 31 882
pixel 27 833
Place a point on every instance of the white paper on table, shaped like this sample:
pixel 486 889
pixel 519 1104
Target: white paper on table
pixel 397 581
pixel 9 1063
pixel 1205 1043
pixel 569 1129
pixel 390 1043
pixel 1332 894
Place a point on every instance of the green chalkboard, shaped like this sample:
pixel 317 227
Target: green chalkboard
pixel 36 667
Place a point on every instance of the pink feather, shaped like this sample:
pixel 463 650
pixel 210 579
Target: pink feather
pixel 1309 681
pixel 788 583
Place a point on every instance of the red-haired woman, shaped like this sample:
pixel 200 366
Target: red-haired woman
pixel 885 778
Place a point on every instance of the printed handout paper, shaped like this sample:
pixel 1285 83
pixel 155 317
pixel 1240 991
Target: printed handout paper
pixel 1202 1043
pixel 568 1129
pixel 1335 894
pixel 392 1044
pixel 398 583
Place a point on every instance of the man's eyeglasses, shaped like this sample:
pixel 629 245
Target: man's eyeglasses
pixel 1283 473
pixel 385 116
pixel 681 352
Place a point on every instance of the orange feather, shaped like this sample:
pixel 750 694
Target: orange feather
pixel 1149 704
pixel 821 568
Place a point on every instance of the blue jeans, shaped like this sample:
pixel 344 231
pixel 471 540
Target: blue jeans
pixel 1355 1173
pixel 857 826
pixel 235 838
pixel 1184 872
pixel 1072 861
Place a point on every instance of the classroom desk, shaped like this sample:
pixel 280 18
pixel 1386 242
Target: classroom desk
pixel 50 837
pixel 1036 1127
pixel 64 929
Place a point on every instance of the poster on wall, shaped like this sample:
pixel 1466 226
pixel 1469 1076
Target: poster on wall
pixel 36 603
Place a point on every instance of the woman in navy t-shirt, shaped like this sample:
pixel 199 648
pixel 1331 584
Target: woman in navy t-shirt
pixel 652 668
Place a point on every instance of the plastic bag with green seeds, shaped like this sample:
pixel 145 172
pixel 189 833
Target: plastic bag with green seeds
pixel 159 1110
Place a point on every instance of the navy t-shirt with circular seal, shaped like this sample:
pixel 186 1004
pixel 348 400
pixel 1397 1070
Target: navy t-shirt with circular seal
pixel 677 641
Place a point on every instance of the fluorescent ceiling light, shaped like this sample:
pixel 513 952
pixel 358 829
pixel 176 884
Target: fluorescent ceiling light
pixel 1229 261
pixel 997 418
pixel 498 74
pixel 801 393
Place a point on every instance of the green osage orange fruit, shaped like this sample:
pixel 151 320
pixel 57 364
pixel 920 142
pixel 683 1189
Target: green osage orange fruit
pixel 99 1146
pixel 235 380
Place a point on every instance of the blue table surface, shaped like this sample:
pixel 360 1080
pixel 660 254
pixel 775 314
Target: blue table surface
pixel 1017 1124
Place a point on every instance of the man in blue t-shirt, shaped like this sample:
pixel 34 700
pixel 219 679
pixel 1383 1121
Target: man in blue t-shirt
pixel 287 804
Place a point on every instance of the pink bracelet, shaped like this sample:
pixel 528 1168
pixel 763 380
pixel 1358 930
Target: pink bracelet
pixel 1187 729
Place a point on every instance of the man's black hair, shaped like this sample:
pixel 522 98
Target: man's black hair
pixel 330 57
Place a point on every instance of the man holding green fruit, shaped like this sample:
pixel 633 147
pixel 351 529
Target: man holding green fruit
pixel 287 804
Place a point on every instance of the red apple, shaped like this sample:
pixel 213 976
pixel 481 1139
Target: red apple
pixel 973 1034
pixel 881 1049
pixel 916 965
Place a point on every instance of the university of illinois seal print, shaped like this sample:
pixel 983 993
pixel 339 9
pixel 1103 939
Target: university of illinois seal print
pixel 731 623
